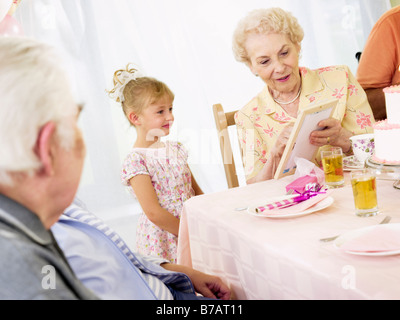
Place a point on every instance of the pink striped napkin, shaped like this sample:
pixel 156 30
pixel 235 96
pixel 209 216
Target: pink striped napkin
pixel 301 206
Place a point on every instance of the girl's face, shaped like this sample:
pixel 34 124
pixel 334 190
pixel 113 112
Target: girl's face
pixel 275 59
pixel 157 119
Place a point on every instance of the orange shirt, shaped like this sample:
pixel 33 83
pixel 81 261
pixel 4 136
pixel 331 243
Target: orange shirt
pixel 380 60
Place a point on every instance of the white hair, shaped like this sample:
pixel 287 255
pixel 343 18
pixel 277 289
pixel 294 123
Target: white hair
pixel 34 90
pixel 265 21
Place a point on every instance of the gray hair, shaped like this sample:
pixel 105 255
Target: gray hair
pixel 265 21
pixel 34 91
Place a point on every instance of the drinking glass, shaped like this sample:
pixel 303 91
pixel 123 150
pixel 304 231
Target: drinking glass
pixel 332 162
pixel 363 182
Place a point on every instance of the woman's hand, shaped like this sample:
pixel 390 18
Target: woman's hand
pixel 268 171
pixel 280 145
pixel 333 134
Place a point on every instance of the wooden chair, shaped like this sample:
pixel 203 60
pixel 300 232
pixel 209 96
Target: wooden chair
pixel 223 121
pixel 358 56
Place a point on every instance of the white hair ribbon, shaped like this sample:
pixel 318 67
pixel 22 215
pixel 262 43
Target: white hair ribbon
pixel 124 78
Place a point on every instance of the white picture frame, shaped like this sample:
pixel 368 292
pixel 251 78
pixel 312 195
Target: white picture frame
pixel 299 145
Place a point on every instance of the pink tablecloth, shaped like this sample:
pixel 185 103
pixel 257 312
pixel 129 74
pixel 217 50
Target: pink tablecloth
pixel 265 258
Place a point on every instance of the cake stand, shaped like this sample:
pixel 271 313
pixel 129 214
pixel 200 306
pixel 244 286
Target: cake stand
pixel 385 171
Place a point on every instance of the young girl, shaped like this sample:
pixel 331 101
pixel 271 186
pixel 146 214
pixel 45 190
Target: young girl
pixel 156 171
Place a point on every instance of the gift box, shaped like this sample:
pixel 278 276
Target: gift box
pixel 308 177
pixel 303 184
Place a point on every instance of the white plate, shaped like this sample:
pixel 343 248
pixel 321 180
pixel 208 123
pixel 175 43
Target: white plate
pixel 356 233
pixel 319 206
pixel 351 163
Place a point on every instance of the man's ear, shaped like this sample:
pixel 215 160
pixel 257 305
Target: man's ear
pixel 133 118
pixel 44 148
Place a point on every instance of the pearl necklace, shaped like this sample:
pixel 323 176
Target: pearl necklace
pixel 291 101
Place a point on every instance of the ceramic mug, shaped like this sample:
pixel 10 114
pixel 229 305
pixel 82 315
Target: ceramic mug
pixel 363 146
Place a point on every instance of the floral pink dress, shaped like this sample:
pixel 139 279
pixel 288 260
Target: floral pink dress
pixel 172 181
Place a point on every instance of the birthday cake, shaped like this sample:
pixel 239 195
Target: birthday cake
pixel 387 132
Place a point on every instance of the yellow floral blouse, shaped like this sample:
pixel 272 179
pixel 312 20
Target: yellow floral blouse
pixel 261 121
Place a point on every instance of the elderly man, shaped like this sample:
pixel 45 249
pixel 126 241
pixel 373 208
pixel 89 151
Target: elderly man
pixel 41 159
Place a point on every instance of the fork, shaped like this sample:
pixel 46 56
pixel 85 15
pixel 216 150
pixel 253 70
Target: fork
pixel 386 220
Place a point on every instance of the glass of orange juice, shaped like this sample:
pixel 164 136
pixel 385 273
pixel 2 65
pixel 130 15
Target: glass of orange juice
pixel 363 182
pixel 332 162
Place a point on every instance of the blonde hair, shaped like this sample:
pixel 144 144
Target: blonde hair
pixel 265 21
pixel 136 92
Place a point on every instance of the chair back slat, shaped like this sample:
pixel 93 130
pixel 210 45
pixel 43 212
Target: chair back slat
pixel 223 121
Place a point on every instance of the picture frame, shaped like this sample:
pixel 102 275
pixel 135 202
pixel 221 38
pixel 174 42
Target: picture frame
pixel 298 145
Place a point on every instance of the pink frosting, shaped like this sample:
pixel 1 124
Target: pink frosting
pixel 384 125
pixel 392 89
pixel 383 161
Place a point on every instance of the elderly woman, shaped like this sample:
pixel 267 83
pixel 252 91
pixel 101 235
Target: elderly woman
pixel 269 42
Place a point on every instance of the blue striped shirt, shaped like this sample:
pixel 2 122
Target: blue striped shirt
pixel 148 269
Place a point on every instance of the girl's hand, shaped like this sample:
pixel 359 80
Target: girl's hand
pixel 208 285
pixel 332 134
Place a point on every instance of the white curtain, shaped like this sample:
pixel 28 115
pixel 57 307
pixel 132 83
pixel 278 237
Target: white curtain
pixel 186 44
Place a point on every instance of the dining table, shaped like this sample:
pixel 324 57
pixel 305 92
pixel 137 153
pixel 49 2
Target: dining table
pixel 282 258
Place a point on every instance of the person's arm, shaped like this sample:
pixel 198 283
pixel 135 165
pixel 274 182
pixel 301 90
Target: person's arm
pixel 378 64
pixel 333 134
pixel 269 169
pixel 207 285
pixel 376 99
pixel 147 197
pixel 356 118
pixel 195 186
pixel 252 157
